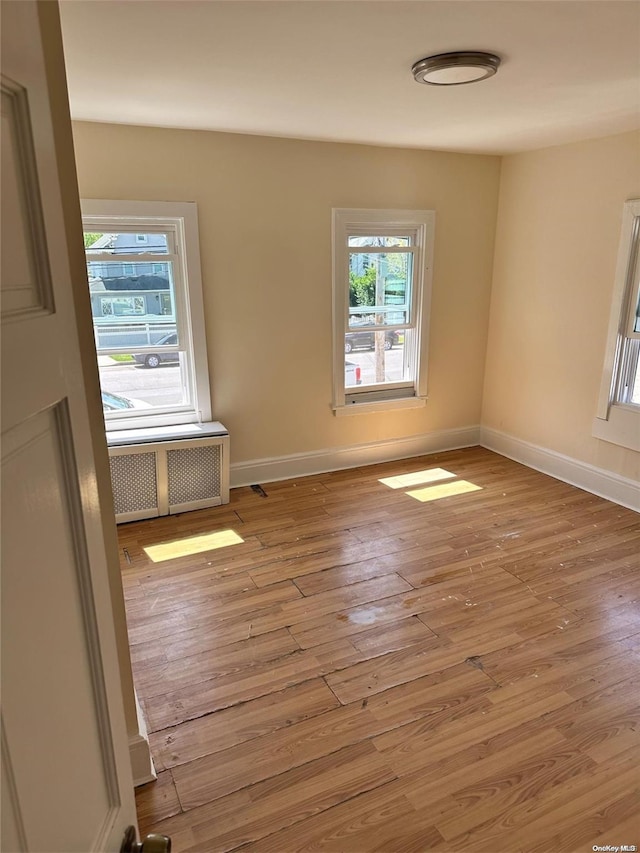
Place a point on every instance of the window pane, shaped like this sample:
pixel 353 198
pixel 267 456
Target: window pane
pixel 134 383
pixel 635 388
pixel 125 243
pixel 377 240
pixel 376 358
pixel 131 310
pixel 134 305
pixel 360 318
pixel 380 281
pixel 629 376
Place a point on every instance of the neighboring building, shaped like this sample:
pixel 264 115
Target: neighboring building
pixel 127 244
pixel 131 303
pixel 131 296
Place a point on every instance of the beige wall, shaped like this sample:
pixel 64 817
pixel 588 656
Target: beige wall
pixel 265 228
pixel 557 238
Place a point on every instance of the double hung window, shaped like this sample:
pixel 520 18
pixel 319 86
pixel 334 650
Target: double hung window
pixel 143 270
pixel 627 390
pixel 382 266
pixel 618 417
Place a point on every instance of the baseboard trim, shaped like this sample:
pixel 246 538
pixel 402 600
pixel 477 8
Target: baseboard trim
pixel 598 481
pixel 335 459
pixel 142 767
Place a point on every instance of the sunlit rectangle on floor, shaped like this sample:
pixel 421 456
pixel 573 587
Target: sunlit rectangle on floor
pixel 416 478
pixel 444 490
pixel 192 545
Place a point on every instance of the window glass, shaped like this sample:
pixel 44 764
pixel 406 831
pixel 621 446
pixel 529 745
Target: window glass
pixel 144 381
pixel 132 305
pixel 151 352
pixel 378 240
pixel 618 414
pixel 380 282
pixel 380 304
pixel 134 310
pixel 386 363
pixel 125 243
pixel 627 387
pixel 635 315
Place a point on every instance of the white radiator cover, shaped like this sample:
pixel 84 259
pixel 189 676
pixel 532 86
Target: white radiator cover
pixel 181 469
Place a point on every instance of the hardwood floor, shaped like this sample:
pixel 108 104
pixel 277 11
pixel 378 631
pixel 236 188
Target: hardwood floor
pixel 373 670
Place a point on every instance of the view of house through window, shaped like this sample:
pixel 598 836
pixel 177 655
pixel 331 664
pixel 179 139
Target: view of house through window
pixel 143 333
pixel 380 291
pixel 379 287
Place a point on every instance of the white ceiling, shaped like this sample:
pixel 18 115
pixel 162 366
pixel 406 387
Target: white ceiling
pixel 340 69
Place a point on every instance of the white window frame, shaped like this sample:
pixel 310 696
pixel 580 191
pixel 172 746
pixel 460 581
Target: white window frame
pixel 617 419
pixel 352 222
pixel 180 218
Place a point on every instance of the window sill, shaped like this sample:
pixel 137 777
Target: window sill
pixel 151 421
pixel 622 427
pixel 179 432
pixel 379 406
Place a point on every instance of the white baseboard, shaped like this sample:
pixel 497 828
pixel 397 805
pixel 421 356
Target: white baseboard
pixel 335 459
pixel 142 767
pixel 141 762
pixel 598 481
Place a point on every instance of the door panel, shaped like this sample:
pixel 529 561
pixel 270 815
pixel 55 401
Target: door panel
pixel 66 775
pixel 25 280
pixel 54 708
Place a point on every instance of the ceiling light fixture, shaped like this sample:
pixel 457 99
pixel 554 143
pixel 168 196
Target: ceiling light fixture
pixel 453 69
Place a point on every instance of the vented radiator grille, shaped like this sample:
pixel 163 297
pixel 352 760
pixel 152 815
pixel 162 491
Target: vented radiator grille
pixel 167 476
pixel 134 483
pixel 194 474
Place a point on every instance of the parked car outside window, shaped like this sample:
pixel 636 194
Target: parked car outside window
pixel 155 359
pixel 113 402
pixel 367 340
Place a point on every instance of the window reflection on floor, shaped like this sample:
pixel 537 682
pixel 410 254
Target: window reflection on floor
pixel 444 490
pixel 192 545
pixel 417 478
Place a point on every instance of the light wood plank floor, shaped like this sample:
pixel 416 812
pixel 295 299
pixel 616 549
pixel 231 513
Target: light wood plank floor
pixel 391 666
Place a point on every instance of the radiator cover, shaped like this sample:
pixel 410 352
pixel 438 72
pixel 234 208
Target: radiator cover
pixel 180 470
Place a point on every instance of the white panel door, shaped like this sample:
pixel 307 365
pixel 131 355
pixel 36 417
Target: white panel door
pixel 66 777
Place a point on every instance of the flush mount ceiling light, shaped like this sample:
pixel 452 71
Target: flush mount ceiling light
pixel 453 69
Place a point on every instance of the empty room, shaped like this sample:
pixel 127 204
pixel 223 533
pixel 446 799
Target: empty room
pixel 321 426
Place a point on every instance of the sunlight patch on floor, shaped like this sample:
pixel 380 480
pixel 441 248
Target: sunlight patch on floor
pixel 192 545
pixel 417 478
pixel 444 490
